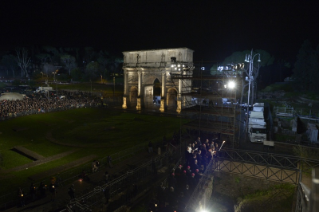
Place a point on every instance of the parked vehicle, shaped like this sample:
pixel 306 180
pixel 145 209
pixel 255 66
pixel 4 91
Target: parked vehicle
pixel 43 89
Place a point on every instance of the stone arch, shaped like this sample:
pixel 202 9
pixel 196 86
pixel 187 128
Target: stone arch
pixel 133 96
pixel 171 99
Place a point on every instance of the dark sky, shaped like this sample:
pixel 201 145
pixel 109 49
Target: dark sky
pixel 214 30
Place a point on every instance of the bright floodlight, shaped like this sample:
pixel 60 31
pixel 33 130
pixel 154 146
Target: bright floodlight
pixel 231 84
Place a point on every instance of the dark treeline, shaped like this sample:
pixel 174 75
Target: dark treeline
pixel 76 64
pixel 306 69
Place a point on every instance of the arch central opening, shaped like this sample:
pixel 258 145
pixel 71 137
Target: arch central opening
pixel 133 96
pixel 157 92
pixel 171 99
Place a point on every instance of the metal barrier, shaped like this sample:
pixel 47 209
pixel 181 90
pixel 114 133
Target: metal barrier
pixel 269 159
pixel 122 189
pixel 308 198
pixel 9 200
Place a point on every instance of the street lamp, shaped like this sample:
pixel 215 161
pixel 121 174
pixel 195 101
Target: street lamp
pixel 249 58
pixel 54 73
pixel 230 85
pixel 114 86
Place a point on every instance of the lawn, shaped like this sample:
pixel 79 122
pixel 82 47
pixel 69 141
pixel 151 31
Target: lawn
pixel 91 131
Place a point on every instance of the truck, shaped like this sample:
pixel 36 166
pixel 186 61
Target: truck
pixel 43 89
pixel 257 130
pixel 257 127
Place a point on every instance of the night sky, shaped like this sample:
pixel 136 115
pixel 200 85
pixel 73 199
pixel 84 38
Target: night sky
pixel 214 30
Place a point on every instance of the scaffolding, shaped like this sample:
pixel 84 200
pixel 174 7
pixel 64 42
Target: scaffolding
pixel 212 107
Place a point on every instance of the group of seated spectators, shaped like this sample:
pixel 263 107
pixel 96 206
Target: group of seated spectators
pixel 40 104
pixel 183 180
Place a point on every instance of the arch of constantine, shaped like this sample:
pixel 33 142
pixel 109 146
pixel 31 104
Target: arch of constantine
pixel 149 78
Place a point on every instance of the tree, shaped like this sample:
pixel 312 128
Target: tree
pixel 10 62
pixel 76 74
pixel 103 60
pixel 48 68
pixel 23 61
pixel 91 70
pixel 89 54
pixel 302 68
pixel 69 62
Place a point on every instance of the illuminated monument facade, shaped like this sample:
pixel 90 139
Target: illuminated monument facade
pixel 158 78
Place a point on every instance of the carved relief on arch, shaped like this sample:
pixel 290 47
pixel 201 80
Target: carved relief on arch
pixel 149 79
pixel 132 78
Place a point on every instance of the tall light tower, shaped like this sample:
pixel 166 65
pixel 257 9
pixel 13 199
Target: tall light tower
pixel 249 58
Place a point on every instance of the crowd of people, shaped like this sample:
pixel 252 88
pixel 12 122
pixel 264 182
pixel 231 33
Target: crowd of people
pixel 42 104
pixel 174 195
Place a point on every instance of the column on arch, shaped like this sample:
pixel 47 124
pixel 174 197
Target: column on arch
pixel 179 96
pixel 139 90
pixel 163 93
pixel 124 106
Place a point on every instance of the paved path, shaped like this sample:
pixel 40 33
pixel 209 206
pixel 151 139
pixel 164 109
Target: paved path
pixel 38 162
pixel 28 152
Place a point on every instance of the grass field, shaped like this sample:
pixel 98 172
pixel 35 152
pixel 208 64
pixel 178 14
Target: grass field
pixel 92 131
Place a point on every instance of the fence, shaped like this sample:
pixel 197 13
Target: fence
pixel 9 200
pixel 124 189
pixel 307 198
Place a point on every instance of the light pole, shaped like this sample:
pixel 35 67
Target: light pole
pixel 231 86
pixel 91 86
pixel 114 86
pixel 249 58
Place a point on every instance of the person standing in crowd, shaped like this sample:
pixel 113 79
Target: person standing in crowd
pixel 199 158
pixel 172 181
pixel 106 176
pixel 184 179
pixel 150 147
pixel 53 191
pixel 106 193
pixel 213 144
pixel 192 182
pixel 42 188
pixel 196 145
pixel 216 146
pixel 207 144
pixel 188 171
pixel 171 198
pixel 197 175
pixel 97 164
pixel 178 172
pixel 195 165
pixel 109 161
pixel 21 197
pixel 71 191
pixel 33 192
pixel 198 141
pixel 94 168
